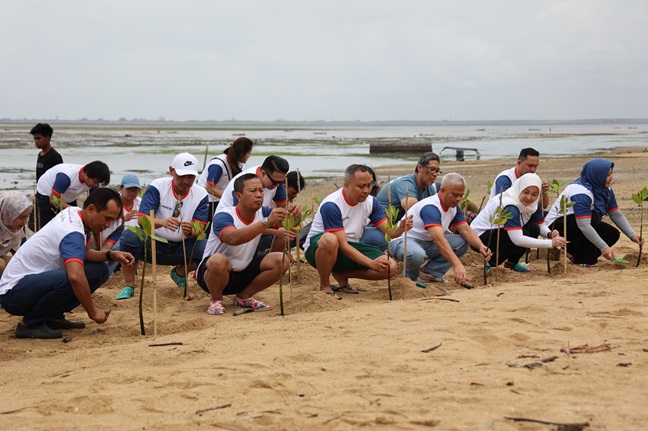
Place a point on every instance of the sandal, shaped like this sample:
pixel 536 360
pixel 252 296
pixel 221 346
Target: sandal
pixel 587 265
pixel 518 267
pixel 345 289
pixel 180 280
pixel 216 308
pixel 126 293
pixel 252 303
pixel 332 293
pixel 426 276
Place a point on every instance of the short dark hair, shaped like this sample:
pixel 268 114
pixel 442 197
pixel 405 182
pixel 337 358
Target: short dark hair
pixel 352 169
pixel 274 164
pixel 42 129
pixel 425 158
pixel 291 177
pixel 526 152
pixel 99 171
pixel 100 198
pixel 239 182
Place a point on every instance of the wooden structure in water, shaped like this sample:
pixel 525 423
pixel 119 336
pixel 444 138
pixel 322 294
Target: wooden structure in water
pixel 407 146
pixel 460 152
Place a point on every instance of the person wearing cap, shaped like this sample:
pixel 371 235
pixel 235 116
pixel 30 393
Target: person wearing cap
pixel 60 186
pixel 129 190
pixel 177 202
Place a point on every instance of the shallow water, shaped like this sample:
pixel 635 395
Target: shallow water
pixel 317 152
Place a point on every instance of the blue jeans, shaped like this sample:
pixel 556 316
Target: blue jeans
pixel 170 253
pixel 373 236
pixel 418 251
pixel 49 294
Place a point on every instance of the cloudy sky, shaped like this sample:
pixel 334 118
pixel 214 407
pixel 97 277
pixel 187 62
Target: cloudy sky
pixel 324 60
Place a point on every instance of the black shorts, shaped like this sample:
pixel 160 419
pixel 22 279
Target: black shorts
pixel 237 280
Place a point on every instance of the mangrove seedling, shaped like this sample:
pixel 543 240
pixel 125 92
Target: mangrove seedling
pixel 639 199
pixel 391 225
pixel 144 233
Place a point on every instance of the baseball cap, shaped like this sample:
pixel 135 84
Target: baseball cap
pixel 185 164
pixel 130 180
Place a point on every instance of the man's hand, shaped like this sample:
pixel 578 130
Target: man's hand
pixel 171 223
pixel 187 229
pixel 296 211
pixel 277 216
pixel 486 252
pixel 99 315
pixel 282 233
pixel 407 223
pixel 460 274
pixel 122 257
pixel 379 265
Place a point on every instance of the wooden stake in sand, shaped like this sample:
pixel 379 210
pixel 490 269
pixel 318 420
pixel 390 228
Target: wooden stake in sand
pixel 405 238
pixel 184 254
pixel 154 266
pixel 298 233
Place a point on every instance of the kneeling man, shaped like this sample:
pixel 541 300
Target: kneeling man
pixel 430 240
pixel 54 272
pixel 231 265
pixel 333 244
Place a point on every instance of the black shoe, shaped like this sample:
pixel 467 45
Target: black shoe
pixel 64 324
pixel 38 332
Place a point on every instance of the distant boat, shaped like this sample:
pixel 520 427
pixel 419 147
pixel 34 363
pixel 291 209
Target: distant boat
pixel 534 130
pixel 319 133
pixel 238 134
pixel 481 130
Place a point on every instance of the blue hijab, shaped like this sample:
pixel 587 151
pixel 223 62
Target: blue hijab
pixel 593 177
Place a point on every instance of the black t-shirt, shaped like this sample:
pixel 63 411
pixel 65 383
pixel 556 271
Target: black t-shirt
pixel 43 163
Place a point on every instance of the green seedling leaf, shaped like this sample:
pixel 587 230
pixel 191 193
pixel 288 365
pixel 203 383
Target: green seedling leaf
pixel 145 222
pixel 137 231
pixel 159 239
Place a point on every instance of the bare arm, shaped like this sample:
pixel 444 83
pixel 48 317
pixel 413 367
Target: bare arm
pixel 246 234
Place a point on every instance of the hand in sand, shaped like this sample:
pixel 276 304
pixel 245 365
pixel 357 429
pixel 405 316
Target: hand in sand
pixel 460 274
pixel 99 315
pixel 608 253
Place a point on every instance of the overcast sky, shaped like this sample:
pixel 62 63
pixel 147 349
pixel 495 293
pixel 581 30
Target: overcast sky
pixel 324 60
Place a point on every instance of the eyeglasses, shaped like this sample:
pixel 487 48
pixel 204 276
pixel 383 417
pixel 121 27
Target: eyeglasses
pixel 177 209
pixel 274 182
pixel 433 170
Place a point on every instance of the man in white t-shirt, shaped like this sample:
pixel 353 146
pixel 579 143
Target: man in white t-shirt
pixel 333 244
pixel 429 239
pixel 527 163
pixel 177 204
pixel 231 265
pixel 54 272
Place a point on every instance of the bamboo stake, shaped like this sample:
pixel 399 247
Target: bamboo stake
pixel 298 232
pixel 184 254
pixel 388 256
pixel 564 208
pixel 498 236
pixel 405 238
pixel 287 250
pixel 154 266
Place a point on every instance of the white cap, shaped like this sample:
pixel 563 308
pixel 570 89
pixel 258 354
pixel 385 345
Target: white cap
pixel 185 164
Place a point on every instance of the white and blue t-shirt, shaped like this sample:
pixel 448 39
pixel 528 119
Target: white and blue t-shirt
pixel 276 195
pixel 481 223
pixel 59 242
pixel 429 212
pixel 504 181
pixel 583 203
pixel 64 180
pixel 335 214
pixel 217 174
pixel 241 255
pixel 161 198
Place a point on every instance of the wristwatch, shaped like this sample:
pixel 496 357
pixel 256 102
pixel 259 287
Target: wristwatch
pixel 265 222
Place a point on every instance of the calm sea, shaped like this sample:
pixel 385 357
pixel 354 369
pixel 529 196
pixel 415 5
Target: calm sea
pixel 317 152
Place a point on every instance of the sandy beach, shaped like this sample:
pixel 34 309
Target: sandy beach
pixel 359 363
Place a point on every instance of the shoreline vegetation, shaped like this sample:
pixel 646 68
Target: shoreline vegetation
pixel 567 348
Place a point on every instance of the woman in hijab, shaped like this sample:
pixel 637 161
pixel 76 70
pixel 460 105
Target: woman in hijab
pixel 522 229
pixel 588 236
pixel 14 215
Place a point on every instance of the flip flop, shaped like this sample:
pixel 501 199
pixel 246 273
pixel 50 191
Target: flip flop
pixel 179 280
pixel 518 267
pixel 332 293
pixel 126 293
pixel 345 289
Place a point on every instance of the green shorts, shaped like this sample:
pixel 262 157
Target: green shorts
pixel 343 263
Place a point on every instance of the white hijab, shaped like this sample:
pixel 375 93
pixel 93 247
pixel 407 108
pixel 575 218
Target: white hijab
pixel 512 195
pixel 12 204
